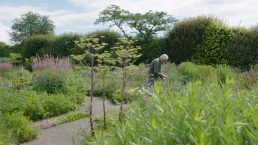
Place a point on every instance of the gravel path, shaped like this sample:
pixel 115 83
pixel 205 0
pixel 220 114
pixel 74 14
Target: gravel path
pixel 70 133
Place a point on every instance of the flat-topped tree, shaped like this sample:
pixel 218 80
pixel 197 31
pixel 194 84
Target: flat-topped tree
pixel 105 62
pixel 91 47
pixel 145 25
pixel 126 54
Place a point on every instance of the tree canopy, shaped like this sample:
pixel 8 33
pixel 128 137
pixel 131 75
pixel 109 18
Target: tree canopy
pixel 143 25
pixel 30 24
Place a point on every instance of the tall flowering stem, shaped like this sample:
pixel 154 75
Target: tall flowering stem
pixel 48 62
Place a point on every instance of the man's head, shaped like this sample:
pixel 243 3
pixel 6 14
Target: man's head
pixel 163 58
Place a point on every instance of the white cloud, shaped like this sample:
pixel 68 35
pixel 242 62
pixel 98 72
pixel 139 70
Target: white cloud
pixel 4 33
pixel 234 12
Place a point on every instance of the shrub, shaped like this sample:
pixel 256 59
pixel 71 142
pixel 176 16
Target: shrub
pixel 4 49
pixel 213 48
pixel 185 36
pixel 151 49
pixel 193 72
pixel 33 109
pixel 243 48
pixel 64 45
pixel 11 101
pixel 5 137
pixel 49 81
pixel 55 104
pixel 38 44
pixel 19 127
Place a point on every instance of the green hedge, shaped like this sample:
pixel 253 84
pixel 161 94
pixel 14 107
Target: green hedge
pixel 213 48
pixel 208 40
pixel 38 44
pixel 185 36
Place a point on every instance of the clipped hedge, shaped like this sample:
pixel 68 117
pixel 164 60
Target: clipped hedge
pixel 213 48
pixel 185 36
pixel 38 44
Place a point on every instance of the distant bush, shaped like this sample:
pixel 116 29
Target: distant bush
pixel 243 48
pixel 38 44
pixel 151 49
pixel 4 49
pixel 64 45
pixel 213 48
pixel 185 36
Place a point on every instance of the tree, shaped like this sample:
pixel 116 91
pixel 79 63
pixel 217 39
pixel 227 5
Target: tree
pixel 143 25
pixel 105 61
pixel 91 47
pixel 126 54
pixel 30 24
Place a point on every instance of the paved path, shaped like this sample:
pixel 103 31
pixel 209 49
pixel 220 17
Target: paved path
pixel 70 133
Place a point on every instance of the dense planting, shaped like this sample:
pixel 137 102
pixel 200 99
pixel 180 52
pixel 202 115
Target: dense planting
pixel 214 111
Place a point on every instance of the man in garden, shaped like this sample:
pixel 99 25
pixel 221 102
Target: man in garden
pixel 154 69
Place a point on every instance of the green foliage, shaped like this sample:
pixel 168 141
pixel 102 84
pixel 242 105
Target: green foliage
pixel 30 24
pixel 38 45
pixel 19 127
pixel 49 81
pixel 151 49
pixel 243 48
pixel 69 118
pixel 213 48
pixel 225 72
pixel 64 45
pixel 110 38
pixel 145 25
pixel 192 71
pixel 185 36
pixel 5 137
pixel 196 114
pixel 255 68
pixel 55 104
pixel 4 49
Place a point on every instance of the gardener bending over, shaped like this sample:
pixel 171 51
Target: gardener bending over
pixel 154 70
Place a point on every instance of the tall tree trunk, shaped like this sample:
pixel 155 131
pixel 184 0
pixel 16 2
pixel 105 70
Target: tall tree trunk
pixel 91 97
pixel 104 99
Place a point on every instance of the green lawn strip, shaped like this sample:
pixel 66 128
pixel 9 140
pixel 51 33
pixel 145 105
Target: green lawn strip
pixel 69 118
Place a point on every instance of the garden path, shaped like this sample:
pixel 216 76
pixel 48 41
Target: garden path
pixel 70 133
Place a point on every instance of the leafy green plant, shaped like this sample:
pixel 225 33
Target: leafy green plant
pixel 55 104
pixel 49 81
pixel 192 71
pixel 196 114
pixel 19 127
pixel 5 137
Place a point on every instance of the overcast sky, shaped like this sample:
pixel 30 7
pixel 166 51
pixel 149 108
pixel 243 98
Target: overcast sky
pixel 79 15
